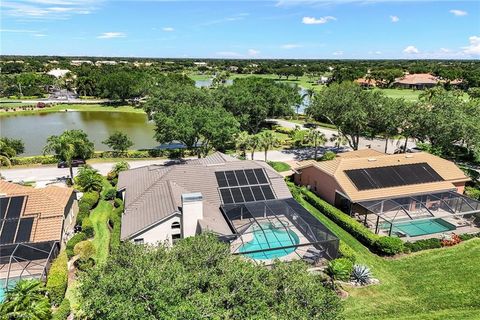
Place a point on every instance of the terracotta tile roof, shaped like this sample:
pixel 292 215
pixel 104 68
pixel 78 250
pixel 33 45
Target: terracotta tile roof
pixel 46 205
pixel 418 78
pixel 352 160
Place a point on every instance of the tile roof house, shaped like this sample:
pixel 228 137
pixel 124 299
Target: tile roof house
pixel 397 186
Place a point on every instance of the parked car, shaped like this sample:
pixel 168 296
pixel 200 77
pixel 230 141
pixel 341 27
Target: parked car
pixel 310 125
pixel 75 163
pixel 409 150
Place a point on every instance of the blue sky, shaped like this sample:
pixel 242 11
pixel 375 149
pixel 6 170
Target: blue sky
pixel 372 29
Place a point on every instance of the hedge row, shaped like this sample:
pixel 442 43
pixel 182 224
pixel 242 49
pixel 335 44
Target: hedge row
pixel 86 203
pixel 380 244
pixel 115 221
pixel 63 311
pixel 347 252
pixel 57 279
pixel 78 237
pixel 49 159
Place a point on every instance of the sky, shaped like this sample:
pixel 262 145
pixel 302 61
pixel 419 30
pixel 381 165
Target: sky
pixel 321 29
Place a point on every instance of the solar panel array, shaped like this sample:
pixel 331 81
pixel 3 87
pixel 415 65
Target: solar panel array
pixel 14 229
pixel 392 176
pixel 238 186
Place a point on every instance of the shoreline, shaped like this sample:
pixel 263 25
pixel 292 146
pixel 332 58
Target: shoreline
pixel 74 107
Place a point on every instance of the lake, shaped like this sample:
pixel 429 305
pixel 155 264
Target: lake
pixel 35 129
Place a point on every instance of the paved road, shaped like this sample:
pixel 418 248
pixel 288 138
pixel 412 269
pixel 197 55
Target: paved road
pixel 377 144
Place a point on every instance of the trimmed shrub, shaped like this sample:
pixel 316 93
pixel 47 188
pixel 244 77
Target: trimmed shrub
pixel 90 199
pixel 84 265
pixel 389 245
pixel 472 192
pixel 87 227
pixel 84 249
pixel 423 245
pixel 73 241
pixel 57 279
pixel 115 221
pixel 48 159
pixel 118 203
pixel 466 236
pixel 110 194
pixel 340 269
pixel 63 311
pixel 347 252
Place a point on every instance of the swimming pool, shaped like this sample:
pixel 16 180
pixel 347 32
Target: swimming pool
pixel 268 238
pixel 423 227
pixel 11 283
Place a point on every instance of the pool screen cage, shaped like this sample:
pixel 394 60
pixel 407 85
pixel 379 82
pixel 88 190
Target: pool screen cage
pixel 26 260
pixel 284 215
pixel 383 215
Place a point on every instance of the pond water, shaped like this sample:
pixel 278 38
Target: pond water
pixel 35 129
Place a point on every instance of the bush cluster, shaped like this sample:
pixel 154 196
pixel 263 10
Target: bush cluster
pixel 73 241
pixel 57 279
pixel 110 194
pixel 340 269
pixel 90 199
pixel 115 221
pixel 467 236
pixel 380 244
pixel 48 159
pixel 423 245
pixel 347 252
pixel 473 192
pixel 63 311
pixel 87 227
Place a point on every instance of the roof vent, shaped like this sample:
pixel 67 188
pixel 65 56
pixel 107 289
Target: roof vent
pixel 192 197
pixel 372 159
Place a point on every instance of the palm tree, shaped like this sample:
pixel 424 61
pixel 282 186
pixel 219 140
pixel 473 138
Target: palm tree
pixel 6 153
pixel 89 179
pixel 242 142
pixel 309 93
pixel 267 141
pixel 69 145
pixel 254 143
pixel 338 140
pixel 317 138
pixel 26 300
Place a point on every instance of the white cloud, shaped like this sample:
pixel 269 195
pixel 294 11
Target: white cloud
pixel 411 50
pixel 445 50
pixel 290 46
pixel 458 13
pixel 39 35
pixel 375 52
pixel 253 52
pixel 394 19
pixel 338 53
pixel 321 20
pixel 47 9
pixel 18 30
pixel 474 48
pixel 168 29
pixel 111 35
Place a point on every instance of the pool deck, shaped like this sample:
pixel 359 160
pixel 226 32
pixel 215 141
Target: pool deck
pixel 25 269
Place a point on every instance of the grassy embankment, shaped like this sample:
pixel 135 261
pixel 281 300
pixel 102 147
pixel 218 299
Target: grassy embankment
pixel 432 284
pixel 71 107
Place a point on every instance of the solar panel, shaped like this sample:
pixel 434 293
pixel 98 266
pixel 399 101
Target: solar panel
pixel 231 179
pixel 267 192
pixel 237 195
pixel 392 176
pixel 260 176
pixel 257 193
pixel 247 194
pixel 24 230
pixel 8 231
pixel 221 180
pixel 242 179
pixel 15 207
pixel 251 176
pixel 226 196
pixel 3 207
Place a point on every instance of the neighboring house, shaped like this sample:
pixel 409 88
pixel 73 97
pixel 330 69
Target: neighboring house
pixel 417 81
pixel 231 198
pixel 390 192
pixel 200 64
pixel 366 83
pixel 80 62
pixel 58 73
pixel 34 223
pixel 323 80
pixel 106 62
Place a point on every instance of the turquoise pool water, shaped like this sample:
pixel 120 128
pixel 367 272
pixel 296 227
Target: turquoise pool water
pixel 423 227
pixel 270 238
pixel 11 283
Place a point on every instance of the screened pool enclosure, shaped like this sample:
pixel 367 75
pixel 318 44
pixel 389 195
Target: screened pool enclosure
pixel 278 229
pixel 420 215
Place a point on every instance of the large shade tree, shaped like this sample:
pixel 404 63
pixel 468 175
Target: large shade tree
pixel 199 278
pixel 26 300
pixel 70 145
pixel 252 100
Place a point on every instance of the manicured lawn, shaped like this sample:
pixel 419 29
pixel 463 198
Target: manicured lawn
pixel 75 107
pixel 279 166
pixel 101 241
pixel 432 284
pixel 407 94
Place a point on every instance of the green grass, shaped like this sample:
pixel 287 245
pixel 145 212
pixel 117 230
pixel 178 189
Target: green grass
pixel 432 284
pixel 99 217
pixel 75 107
pixel 407 94
pixel 279 166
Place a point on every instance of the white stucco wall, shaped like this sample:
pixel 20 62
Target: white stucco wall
pixel 161 232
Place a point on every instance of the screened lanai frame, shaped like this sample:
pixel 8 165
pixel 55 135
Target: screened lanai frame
pixel 417 207
pixel 286 214
pixel 27 260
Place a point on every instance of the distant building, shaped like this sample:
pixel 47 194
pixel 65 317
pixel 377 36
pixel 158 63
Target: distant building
pixel 200 64
pixel 366 83
pixel 80 62
pixel 58 73
pixel 417 81
pixel 106 62
pixel 323 80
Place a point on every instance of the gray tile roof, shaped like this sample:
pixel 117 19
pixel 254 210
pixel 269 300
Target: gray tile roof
pixel 154 192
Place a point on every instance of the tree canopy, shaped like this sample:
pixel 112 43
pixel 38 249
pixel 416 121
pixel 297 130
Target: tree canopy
pixel 198 278
pixel 118 141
